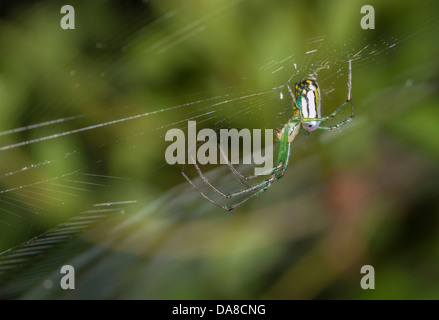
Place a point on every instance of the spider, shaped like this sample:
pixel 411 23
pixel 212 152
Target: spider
pixel 306 118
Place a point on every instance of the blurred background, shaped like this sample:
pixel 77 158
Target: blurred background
pixel 84 181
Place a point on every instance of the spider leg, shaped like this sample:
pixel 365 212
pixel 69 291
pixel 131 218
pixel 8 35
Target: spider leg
pixel 206 181
pixel 332 115
pixel 282 159
pixel 250 197
pixel 293 97
pixel 276 173
pixel 269 171
pixel 230 195
pixel 275 176
pixel 260 185
pixel 285 163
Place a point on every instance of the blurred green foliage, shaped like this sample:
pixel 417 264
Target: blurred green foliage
pixel 364 195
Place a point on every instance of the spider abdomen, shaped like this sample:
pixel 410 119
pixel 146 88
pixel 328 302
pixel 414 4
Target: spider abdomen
pixel 308 100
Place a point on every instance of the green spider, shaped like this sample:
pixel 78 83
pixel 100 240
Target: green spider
pixel 306 118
